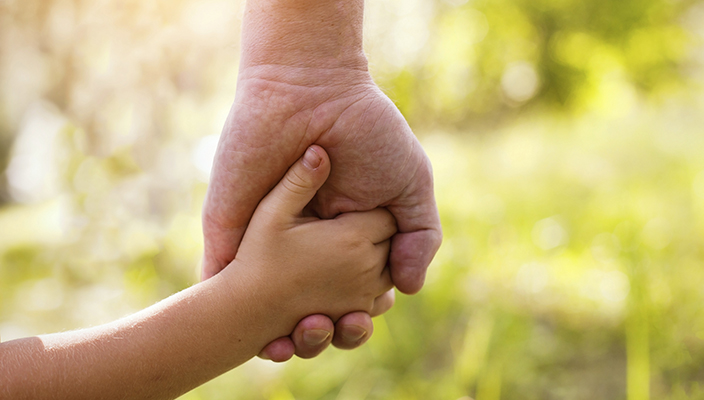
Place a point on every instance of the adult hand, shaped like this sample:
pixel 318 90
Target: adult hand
pixel 304 80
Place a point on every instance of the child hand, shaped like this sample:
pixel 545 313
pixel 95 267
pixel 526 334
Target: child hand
pixel 304 265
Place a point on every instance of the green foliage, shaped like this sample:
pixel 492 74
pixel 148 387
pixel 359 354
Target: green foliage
pixel 573 48
pixel 566 142
pixel 570 270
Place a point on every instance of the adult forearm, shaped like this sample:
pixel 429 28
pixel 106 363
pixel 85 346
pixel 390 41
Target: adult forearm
pixel 303 33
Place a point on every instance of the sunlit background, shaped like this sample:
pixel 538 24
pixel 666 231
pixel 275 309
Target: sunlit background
pixel 567 139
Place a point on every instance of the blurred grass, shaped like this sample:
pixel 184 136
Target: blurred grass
pixel 567 146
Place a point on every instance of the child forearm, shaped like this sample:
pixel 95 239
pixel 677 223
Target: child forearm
pixel 288 266
pixel 158 353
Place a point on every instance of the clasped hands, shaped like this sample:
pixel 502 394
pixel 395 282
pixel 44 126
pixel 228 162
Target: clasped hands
pixel 304 80
pixel 376 161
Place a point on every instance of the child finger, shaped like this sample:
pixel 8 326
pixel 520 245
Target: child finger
pixel 377 225
pixel 381 256
pixel 385 283
pixel 383 303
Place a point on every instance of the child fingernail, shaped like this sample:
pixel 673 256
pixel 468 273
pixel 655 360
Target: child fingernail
pixel 315 337
pixel 312 159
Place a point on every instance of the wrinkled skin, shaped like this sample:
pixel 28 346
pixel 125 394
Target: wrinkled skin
pixel 376 161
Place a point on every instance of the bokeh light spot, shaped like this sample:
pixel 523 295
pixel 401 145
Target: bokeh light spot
pixel 520 81
pixel 548 233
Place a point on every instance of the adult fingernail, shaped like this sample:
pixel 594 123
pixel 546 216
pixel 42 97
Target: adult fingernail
pixel 353 333
pixel 312 159
pixel 315 337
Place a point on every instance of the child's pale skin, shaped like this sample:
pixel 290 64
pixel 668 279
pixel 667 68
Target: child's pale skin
pixel 288 266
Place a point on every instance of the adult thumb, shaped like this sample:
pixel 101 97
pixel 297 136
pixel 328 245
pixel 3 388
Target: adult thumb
pixel 301 182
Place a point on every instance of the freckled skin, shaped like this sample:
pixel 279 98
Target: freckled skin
pixel 304 80
pixel 379 164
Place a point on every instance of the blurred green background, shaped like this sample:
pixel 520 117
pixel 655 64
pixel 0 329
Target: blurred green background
pixel 567 139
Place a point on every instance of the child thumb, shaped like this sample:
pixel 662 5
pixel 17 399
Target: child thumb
pixel 301 182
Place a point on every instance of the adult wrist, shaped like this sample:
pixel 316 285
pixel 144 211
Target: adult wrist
pixel 303 34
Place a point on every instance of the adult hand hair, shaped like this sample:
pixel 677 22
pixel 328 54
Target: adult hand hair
pixel 305 82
